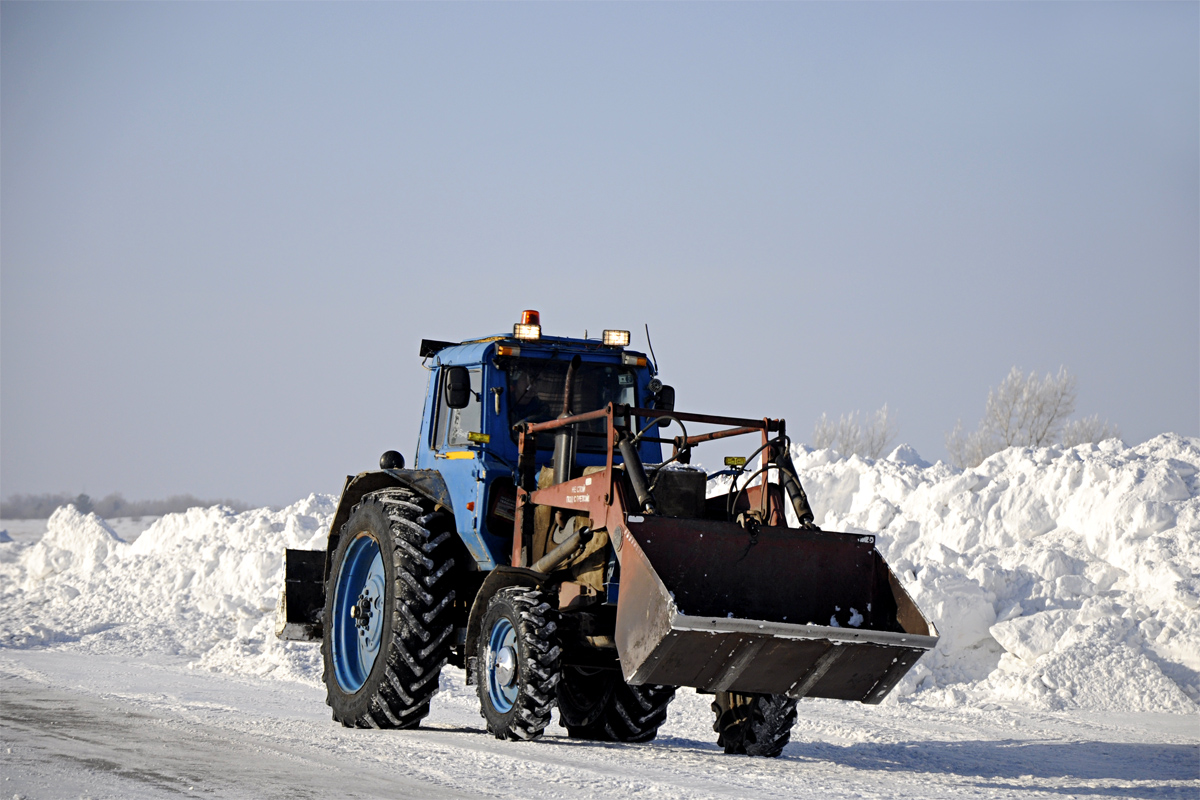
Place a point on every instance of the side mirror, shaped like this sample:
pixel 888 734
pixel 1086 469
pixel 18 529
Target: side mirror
pixel 666 398
pixel 458 387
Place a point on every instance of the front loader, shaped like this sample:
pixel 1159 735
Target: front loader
pixel 545 543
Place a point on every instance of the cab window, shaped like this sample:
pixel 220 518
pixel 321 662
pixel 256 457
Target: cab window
pixel 455 423
pixel 535 391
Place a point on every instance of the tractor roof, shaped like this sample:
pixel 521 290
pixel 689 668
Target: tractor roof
pixel 527 339
pixel 474 351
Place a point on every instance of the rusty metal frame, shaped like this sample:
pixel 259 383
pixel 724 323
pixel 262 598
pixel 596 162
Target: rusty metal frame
pixel 608 506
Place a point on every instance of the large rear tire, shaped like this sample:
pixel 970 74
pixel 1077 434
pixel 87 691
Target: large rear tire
pixel 754 724
pixel 599 705
pixel 518 663
pixel 388 625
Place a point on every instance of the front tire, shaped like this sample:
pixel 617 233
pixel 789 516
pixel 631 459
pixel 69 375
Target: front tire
pixel 518 658
pixel 388 619
pixel 754 724
pixel 600 705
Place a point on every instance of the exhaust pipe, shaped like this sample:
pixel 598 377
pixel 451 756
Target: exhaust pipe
pixel 565 440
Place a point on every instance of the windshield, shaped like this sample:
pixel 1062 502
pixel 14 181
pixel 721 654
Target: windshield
pixel 535 392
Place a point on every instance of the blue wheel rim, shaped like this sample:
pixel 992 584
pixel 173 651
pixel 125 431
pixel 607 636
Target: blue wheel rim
pixel 358 608
pixel 502 690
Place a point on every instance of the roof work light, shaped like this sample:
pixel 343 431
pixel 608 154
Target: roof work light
pixel 530 326
pixel 616 338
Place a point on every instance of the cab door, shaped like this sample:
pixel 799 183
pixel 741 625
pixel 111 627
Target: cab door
pixel 457 458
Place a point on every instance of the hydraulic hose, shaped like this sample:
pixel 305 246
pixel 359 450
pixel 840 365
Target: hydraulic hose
pixel 732 498
pixel 791 483
pixel 679 451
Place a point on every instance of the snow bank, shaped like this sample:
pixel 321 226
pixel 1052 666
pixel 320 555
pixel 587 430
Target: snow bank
pixel 201 584
pixel 1058 579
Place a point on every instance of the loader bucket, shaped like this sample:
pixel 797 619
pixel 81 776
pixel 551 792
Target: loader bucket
pixel 807 613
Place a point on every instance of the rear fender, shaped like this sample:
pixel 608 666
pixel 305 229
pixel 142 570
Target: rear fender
pixel 426 482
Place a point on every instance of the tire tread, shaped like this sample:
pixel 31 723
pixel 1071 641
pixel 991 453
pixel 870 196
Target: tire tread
pixel 536 624
pixel 422 627
pixel 754 724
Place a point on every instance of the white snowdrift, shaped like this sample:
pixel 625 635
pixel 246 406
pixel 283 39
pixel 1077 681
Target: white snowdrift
pixel 203 584
pixel 1058 578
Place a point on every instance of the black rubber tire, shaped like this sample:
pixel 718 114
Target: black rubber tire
pixel 600 705
pixel 754 724
pixel 535 622
pixel 418 629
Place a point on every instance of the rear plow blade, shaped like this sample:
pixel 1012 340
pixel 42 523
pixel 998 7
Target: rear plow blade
pixel 805 613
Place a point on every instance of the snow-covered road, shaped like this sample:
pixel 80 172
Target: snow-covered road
pixel 116 726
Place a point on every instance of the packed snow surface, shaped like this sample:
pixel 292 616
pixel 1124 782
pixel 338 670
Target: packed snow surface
pixel 1060 580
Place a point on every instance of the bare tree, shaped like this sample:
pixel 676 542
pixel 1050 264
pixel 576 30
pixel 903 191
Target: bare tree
pixel 1088 429
pixel 968 449
pixel 825 432
pixel 1025 411
pixel 870 439
pixel 880 434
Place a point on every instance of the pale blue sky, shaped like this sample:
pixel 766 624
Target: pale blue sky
pixel 226 227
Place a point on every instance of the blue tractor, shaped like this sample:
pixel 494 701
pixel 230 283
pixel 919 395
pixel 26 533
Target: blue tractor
pixel 553 539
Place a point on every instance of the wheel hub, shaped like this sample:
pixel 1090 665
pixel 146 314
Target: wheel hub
pixel 506 666
pixel 501 666
pixel 363 611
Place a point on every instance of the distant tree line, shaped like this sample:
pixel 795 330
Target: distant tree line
pixel 41 506
pixel 1023 411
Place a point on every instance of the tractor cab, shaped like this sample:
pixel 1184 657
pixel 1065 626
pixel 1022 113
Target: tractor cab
pixel 480 391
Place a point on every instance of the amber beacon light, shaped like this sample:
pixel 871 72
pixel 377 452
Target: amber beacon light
pixel 530 326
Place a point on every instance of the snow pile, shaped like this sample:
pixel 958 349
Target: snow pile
pixel 1057 578
pixel 202 584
